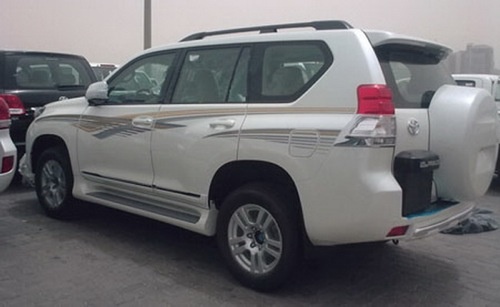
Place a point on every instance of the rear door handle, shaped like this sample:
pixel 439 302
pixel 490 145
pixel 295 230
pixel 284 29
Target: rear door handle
pixel 222 124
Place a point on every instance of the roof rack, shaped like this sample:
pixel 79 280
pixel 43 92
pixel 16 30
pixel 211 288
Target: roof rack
pixel 318 25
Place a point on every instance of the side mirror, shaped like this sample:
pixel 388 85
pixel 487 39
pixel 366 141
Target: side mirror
pixel 97 93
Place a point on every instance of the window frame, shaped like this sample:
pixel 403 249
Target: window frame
pixel 254 71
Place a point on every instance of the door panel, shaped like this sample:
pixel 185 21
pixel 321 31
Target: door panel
pixel 114 146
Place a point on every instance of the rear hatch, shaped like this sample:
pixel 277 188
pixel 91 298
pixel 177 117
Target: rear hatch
pixel 439 125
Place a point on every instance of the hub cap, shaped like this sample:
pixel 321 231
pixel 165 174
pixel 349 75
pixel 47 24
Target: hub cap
pixel 255 239
pixel 53 184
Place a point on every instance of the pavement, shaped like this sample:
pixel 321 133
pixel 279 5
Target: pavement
pixel 111 258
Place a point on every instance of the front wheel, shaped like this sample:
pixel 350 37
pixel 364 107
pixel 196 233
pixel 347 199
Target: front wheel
pixel 54 184
pixel 258 235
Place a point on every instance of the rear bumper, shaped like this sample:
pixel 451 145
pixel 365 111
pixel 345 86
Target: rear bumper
pixel 426 225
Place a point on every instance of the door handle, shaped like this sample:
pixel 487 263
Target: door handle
pixel 222 124
pixel 143 122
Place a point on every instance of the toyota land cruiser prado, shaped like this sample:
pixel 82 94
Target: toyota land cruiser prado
pixel 272 139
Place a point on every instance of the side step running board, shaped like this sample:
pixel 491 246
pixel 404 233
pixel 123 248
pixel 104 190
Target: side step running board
pixel 164 210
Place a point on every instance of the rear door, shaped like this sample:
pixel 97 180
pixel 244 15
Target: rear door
pixel 198 130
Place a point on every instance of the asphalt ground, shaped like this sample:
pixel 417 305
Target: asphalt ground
pixel 111 258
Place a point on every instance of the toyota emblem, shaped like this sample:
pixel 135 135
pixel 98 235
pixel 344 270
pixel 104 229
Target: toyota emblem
pixel 413 126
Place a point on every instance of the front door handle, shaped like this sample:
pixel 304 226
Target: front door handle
pixel 145 122
pixel 222 124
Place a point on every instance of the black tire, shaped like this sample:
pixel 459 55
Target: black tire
pixel 54 184
pixel 272 240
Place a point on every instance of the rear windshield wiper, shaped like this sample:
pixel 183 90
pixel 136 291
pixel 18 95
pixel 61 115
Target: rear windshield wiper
pixel 70 86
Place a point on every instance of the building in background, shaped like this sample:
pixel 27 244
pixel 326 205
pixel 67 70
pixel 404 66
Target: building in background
pixel 475 59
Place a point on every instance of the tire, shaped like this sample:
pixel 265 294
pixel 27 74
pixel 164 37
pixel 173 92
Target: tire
pixel 54 184
pixel 258 235
pixel 464 134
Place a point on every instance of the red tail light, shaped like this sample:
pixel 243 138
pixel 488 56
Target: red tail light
pixel 4 114
pixel 398 231
pixel 15 104
pixel 7 164
pixel 375 99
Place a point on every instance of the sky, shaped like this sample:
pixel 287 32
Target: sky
pixel 112 30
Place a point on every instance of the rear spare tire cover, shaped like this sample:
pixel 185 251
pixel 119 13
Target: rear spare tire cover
pixel 464 133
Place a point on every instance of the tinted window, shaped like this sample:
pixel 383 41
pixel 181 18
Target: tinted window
pixel 102 71
pixel 289 69
pixel 45 72
pixel 414 74
pixel 468 83
pixel 212 76
pixel 497 91
pixel 142 81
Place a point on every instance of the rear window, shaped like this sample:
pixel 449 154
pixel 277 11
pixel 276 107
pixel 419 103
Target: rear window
pixel 45 72
pixel 468 83
pixel 414 74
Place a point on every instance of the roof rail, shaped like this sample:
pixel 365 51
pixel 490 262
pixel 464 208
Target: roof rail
pixel 318 25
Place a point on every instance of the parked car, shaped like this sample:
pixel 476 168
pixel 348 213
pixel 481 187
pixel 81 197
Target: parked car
pixel 7 149
pixel 103 70
pixel 31 79
pixel 491 83
pixel 274 140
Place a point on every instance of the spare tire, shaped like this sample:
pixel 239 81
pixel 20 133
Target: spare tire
pixel 464 133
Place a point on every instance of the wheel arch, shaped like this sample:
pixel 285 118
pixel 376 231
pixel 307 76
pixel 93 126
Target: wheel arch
pixel 44 142
pixel 238 173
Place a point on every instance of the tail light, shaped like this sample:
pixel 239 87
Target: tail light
pixel 4 114
pixel 375 99
pixel 7 164
pixel 375 124
pixel 15 104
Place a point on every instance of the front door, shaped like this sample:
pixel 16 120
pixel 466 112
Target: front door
pixel 114 142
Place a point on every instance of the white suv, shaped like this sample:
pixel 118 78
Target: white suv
pixel 274 140
pixel 8 151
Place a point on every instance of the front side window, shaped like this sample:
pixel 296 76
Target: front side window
pixel 212 76
pixel 46 72
pixel 142 82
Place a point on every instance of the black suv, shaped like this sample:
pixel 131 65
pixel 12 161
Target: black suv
pixel 30 79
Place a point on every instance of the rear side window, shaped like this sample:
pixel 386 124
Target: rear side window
pixel 414 74
pixel 289 69
pixel 45 72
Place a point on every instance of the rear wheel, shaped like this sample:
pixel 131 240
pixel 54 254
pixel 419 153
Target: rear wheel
pixel 54 184
pixel 257 233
